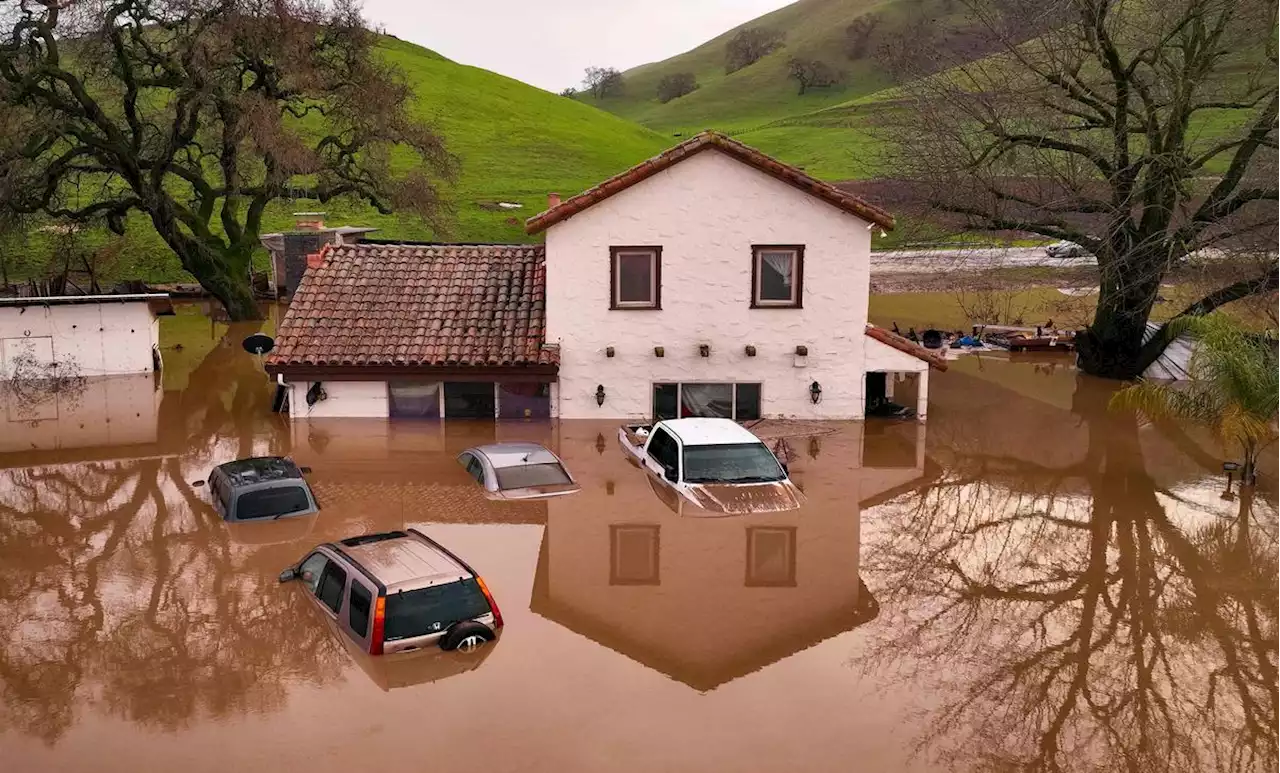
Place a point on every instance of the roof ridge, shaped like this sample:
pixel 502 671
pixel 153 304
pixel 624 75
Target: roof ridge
pixel 762 162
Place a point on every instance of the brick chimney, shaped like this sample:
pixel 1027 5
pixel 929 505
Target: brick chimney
pixel 553 200
pixel 308 221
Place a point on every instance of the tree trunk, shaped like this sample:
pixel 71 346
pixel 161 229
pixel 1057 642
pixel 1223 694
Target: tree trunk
pixel 1111 347
pixel 223 273
pixel 235 295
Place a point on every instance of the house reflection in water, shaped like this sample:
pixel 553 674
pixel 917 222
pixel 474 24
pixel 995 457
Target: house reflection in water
pixel 708 600
pixel 50 415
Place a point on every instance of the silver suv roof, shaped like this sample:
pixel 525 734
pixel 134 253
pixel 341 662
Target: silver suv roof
pixel 406 562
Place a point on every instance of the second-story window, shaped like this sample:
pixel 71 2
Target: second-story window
pixel 635 277
pixel 777 275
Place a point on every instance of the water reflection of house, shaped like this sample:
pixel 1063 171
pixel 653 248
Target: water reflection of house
pixel 708 600
pixel 751 304
pixel 101 412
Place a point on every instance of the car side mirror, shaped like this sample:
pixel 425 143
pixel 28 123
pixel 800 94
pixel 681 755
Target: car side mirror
pixel 288 575
pixel 304 470
pixel 671 473
pixel 197 483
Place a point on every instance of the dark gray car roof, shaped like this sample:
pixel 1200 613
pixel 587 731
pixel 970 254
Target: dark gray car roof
pixel 260 469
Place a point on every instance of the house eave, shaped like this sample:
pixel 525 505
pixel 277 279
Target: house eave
pixel 311 372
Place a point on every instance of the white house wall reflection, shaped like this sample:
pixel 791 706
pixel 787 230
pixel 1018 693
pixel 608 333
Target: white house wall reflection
pixel 760 587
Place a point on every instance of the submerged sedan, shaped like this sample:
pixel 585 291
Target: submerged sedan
pixel 517 471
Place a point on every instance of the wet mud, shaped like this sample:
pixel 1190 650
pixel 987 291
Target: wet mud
pixel 1028 582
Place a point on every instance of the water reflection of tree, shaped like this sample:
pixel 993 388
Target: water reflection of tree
pixel 1061 619
pixel 119 587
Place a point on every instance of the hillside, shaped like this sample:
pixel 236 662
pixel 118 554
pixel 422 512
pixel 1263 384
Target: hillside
pixel 515 143
pixel 762 106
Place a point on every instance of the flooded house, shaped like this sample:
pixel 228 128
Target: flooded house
pixel 710 280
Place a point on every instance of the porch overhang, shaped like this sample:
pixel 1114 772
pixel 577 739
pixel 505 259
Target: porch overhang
pixel 889 352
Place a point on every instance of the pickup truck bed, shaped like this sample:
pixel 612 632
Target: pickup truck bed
pixel 632 438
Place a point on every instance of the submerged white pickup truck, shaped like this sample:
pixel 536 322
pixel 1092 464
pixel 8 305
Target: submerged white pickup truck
pixel 713 463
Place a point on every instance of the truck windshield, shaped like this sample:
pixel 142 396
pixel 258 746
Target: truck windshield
pixel 735 463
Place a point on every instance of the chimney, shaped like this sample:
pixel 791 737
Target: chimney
pixel 553 200
pixel 308 221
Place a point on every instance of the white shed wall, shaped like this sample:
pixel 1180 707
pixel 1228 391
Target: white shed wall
pixel 102 339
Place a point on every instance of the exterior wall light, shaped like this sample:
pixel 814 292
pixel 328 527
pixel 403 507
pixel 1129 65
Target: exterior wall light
pixel 704 350
pixel 750 350
pixel 599 394
pixel 608 351
pixel 815 393
pixel 802 351
pixel 658 351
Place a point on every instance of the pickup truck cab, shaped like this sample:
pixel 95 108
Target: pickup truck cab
pixel 713 463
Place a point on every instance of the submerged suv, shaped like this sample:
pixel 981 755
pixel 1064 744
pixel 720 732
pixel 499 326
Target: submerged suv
pixel 260 488
pixel 399 591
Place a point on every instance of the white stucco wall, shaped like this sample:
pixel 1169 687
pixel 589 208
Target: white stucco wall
pixel 706 212
pixel 100 339
pixel 345 399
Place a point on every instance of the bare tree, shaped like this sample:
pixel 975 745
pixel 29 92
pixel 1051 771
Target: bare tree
pixel 603 82
pixel 197 115
pixel 812 73
pixel 1145 135
pixel 1059 619
pixel 749 46
pixel 858 35
pixel 676 85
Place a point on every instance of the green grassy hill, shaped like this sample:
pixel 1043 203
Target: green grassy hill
pixel 763 107
pixel 515 143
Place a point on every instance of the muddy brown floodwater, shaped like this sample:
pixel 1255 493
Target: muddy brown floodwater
pixel 1028 583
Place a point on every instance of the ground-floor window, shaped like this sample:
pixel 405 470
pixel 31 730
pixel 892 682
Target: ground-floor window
pixel 521 400
pixel 468 400
pixel 413 399
pixel 740 402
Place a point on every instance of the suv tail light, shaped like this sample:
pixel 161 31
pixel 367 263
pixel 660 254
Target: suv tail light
pixel 379 625
pixel 493 605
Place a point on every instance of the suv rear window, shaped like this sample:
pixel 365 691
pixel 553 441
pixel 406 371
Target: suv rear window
pixel 272 502
pixel 527 475
pixel 431 610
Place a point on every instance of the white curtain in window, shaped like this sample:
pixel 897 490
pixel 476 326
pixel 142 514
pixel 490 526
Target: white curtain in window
pixel 783 263
pixel 712 400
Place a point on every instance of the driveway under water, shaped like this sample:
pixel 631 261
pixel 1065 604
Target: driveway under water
pixel 1028 582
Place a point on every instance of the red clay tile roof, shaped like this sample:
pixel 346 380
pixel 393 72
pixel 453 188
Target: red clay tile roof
pixel 889 338
pixel 692 146
pixel 418 307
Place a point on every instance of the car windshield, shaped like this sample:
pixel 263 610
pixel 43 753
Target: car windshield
pixel 736 463
pixel 272 502
pixel 527 475
pixel 432 610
